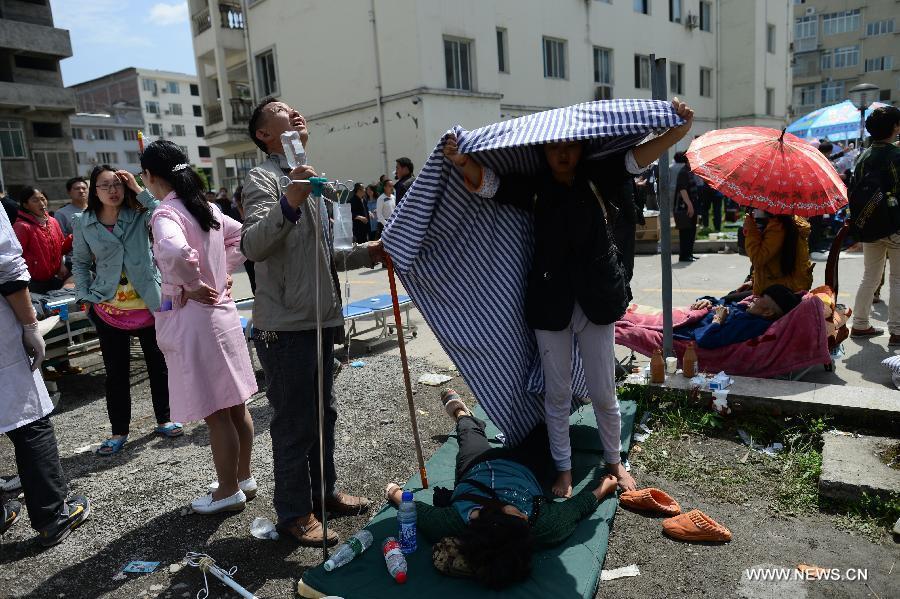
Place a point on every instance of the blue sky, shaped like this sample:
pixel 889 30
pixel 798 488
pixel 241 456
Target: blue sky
pixel 109 35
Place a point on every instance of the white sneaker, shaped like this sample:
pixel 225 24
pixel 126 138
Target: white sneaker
pixel 206 504
pixel 248 486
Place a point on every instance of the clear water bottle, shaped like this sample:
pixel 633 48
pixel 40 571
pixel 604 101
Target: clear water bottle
pixel 293 148
pixel 406 518
pixel 394 560
pixel 347 551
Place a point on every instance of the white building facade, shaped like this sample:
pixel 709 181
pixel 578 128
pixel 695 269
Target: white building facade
pixel 381 79
pixel 163 104
pixel 107 138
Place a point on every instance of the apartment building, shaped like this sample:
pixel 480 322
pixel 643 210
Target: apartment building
pixel 167 103
pixel 839 44
pixel 107 138
pixel 381 79
pixel 35 144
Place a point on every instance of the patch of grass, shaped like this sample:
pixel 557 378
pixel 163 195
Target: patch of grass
pixel 674 412
pixel 797 484
pixel 870 515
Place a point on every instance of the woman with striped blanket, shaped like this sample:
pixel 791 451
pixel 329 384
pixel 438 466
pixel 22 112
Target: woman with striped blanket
pixel 576 285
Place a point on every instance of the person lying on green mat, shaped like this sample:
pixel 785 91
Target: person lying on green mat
pixel 498 514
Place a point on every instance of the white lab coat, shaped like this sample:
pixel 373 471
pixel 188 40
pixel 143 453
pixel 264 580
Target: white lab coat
pixel 23 395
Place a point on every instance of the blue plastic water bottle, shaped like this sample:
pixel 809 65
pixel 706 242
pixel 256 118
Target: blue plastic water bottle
pixel 406 518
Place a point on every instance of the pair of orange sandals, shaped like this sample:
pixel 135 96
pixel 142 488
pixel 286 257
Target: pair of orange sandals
pixel 692 526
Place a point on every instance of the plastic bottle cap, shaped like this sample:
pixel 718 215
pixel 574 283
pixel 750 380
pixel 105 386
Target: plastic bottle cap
pixel 407 496
pixel 401 577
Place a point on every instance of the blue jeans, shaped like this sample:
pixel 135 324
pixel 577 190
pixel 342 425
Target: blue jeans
pixel 289 363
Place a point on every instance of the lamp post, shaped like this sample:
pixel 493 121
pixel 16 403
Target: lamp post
pixel 862 97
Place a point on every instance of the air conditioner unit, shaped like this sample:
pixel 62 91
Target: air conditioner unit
pixel 810 11
pixel 154 93
pixel 159 116
pixel 168 112
pixel 603 92
pixel 691 21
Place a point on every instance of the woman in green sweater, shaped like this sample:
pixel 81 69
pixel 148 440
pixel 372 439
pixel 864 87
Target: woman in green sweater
pixel 498 511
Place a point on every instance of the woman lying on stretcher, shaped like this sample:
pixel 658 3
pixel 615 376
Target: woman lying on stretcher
pixel 737 322
pixel 497 512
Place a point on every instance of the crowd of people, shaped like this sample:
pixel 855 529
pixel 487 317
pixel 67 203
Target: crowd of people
pixel 152 257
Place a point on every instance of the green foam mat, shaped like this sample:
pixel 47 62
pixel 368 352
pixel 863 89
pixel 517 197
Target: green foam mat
pixel 571 569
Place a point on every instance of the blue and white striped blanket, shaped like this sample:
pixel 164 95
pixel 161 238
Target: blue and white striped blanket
pixel 464 260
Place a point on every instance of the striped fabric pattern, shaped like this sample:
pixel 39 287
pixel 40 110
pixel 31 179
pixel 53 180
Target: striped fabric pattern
pixel 464 259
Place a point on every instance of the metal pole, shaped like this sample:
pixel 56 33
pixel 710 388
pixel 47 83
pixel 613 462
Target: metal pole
pixel 318 183
pixel 378 87
pixel 862 126
pixel 398 322
pixel 658 84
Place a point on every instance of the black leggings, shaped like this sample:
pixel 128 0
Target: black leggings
pixel 533 452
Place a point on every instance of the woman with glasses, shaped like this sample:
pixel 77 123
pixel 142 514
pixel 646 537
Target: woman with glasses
pixel 116 276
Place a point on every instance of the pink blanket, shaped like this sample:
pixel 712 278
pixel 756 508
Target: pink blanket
pixel 797 340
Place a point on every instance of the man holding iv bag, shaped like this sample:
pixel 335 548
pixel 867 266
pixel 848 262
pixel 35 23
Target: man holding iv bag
pixel 279 236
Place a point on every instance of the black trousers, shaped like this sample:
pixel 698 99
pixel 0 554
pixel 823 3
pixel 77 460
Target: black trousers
pixel 37 458
pixel 51 284
pixel 686 239
pixel 533 452
pixel 289 362
pixel 115 345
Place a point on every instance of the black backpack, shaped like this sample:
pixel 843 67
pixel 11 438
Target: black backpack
pixel 874 209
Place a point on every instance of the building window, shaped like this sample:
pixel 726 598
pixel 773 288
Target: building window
pixel 172 87
pixel 675 10
pixel 132 157
pixel 204 151
pixel 642 6
pixel 53 165
pixel 676 77
pixel 267 74
pixel 175 109
pixel 199 130
pixel 848 56
pixel 81 158
pixel 770 38
pixel 34 62
pixel 770 101
pixel 103 134
pixel 458 63
pixel 840 22
pixel 799 2
pixel 825 60
pixel 502 51
pixel 884 95
pixel 107 157
pixel 641 71
pixel 12 140
pixel 155 129
pixel 151 106
pixel 149 85
pixel 806 33
pixel 882 63
pixel 705 82
pixel 832 91
pixel 554 58
pixel 880 27
pixel 603 66
pixel 195 89
pixel 77 133
pixel 706 16
pixel 129 134
pixel 177 131
pixel 807 95
pixel 198 110
pixel 47 129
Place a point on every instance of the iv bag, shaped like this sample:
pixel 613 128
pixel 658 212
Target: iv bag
pixel 343 226
pixel 293 148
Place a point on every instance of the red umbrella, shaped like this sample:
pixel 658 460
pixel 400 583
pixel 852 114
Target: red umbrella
pixel 768 169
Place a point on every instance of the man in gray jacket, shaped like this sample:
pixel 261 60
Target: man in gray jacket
pixel 279 236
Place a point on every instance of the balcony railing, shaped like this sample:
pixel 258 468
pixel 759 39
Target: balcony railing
pixel 202 21
pixel 213 113
pixel 806 44
pixel 230 15
pixel 241 110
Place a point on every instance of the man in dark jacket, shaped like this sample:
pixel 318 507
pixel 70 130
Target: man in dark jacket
pixel 404 172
